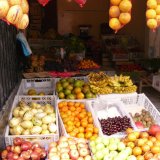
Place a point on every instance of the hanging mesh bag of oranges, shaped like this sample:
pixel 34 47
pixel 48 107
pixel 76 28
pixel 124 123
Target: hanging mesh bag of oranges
pixel 119 13
pixel 153 14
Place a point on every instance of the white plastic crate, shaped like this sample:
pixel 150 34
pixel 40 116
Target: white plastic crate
pixel 142 101
pixel 88 108
pixel 46 85
pixel 42 139
pixel 99 105
pixel 156 82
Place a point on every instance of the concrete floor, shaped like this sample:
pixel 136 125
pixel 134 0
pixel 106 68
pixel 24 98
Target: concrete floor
pixel 153 95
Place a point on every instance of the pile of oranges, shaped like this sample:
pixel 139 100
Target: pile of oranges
pixel 120 13
pixel 144 146
pixel 77 120
pixel 153 13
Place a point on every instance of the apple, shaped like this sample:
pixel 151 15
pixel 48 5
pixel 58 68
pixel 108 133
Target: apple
pixel 154 129
pixel 17 141
pixel 121 146
pixel 139 125
pixel 113 154
pixel 88 157
pixel 15 156
pixel 63 144
pixel 106 141
pixel 53 150
pixel 116 140
pixel 74 154
pixel 50 155
pixel 20 158
pixel 25 155
pixel 35 155
pixel 73 146
pixel 83 152
pixel 93 150
pixel 80 158
pixel 92 144
pixel 8 148
pixel 26 146
pixel 63 139
pixel 132 157
pixel 105 151
pixel 52 144
pixel 128 151
pixel 65 156
pixel 4 154
pixel 112 147
pixel 82 145
pixel 10 155
pixel 99 140
pixel 99 155
pixel 64 150
pixel 35 145
pixel 43 154
pixel 82 140
pixel 55 157
pixel 72 142
pixel 100 146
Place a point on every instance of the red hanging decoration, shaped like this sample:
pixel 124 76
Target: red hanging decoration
pixel 43 2
pixel 81 2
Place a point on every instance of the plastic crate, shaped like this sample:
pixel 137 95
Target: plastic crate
pixel 156 82
pixel 42 139
pixel 143 101
pixel 88 108
pixel 99 105
pixel 46 85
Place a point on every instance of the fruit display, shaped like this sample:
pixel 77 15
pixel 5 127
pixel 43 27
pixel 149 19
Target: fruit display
pixel 120 13
pixel 143 119
pixel 77 120
pixel 104 148
pixel 144 145
pixel 69 149
pixel 33 92
pixel 15 12
pixel 88 64
pixel 122 84
pixel 33 119
pixel 99 83
pixel 23 150
pixel 70 88
pixel 153 14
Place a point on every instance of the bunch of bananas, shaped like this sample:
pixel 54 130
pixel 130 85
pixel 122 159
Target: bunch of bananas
pixel 101 90
pixel 122 84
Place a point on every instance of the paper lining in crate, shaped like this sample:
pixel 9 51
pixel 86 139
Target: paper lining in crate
pixel 42 139
pixel 135 103
pixel 112 109
pixel 88 108
pixel 156 82
pixel 40 85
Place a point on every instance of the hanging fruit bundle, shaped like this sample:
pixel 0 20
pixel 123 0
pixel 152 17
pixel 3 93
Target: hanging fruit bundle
pixel 119 13
pixel 153 14
pixel 15 12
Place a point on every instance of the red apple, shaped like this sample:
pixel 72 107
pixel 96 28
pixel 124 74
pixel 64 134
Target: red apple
pixel 88 157
pixel 17 149
pixel 4 154
pixel 8 148
pixel 35 155
pixel 82 145
pixel 15 156
pixel 43 154
pixel 26 155
pixel 65 156
pixel 12 148
pixel 73 146
pixel 53 150
pixel 35 145
pixel 17 141
pixel 10 155
pixel 20 158
pixel 74 154
pixel 63 144
pixel 38 150
pixel 26 146
pixel 154 129
pixel 83 152
pixel 158 136
pixel 52 144
pixel 139 125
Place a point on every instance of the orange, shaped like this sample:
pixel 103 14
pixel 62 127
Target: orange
pixel 76 104
pixel 79 109
pixel 115 24
pixel 144 135
pixel 114 11
pixel 70 123
pixel 76 119
pixel 90 125
pixel 84 124
pixel 81 129
pixel 89 114
pixel 65 120
pixel 77 124
pixel 155 149
pixel 80 135
pixel 72 108
pixel 90 120
pixel 89 129
pixel 69 113
pixel 81 116
pixel 84 119
pixel 95 135
pixel 82 105
pixel 70 103
pixel 60 104
pixel 77 90
pixel 158 136
pixel 137 134
pixel 69 129
pixel 88 135
pixel 140 142
pixel 129 130
pixel 148 155
pixel 65 109
pixel 140 157
pixel 76 130
pixel 153 139
pixel 73 114
pixel 150 143
pixel 145 148
pixel 131 137
pixel 157 143
pixel 96 130
pixel 76 113
pixel 136 151
pixel 130 144
pixel 72 134
pixel 93 138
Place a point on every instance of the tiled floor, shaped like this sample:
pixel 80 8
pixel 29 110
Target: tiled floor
pixel 153 95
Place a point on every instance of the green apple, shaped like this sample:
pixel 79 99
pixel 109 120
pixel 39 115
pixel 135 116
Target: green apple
pixel 93 150
pixel 92 144
pixel 122 155
pixel 116 140
pixel 106 141
pixel 99 155
pixel 105 151
pixel 99 140
pixel 132 157
pixel 112 147
pixel 113 154
pixel 94 157
pixel 108 157
pixel 121 146
pixel 112 140
pixel 128 151
pixel 100 146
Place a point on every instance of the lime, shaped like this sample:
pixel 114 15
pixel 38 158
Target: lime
pixel 65 84
pixel 59 88
pixel 67 91
pixel 71 96
pixel 89 95
pixel 61 95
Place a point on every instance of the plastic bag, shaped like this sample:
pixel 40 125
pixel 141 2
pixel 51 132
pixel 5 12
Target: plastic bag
pixel 119 13
pixel 81 2
pixel 43 2
pixel 153 14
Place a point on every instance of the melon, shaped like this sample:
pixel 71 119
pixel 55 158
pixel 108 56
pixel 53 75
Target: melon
pixel 150 13
pixel 4 7
pixel 14 14
pixel 152 23
pixel 152 4
pixel 23 22
pixel 114 12
pixel 125 6
pixel 125 18
pixel 25 6
pixel 115 24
